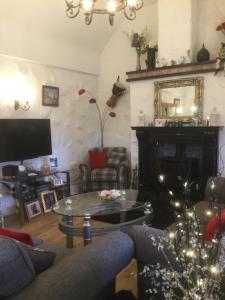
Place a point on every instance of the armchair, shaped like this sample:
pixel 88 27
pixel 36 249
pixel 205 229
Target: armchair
pixel 111 177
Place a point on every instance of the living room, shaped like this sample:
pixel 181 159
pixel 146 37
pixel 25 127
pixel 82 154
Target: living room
pixel 42 50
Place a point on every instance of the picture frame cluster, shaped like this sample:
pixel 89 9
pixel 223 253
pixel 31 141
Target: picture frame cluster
pixel 37 207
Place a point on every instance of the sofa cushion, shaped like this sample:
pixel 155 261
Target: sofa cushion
pixel 19 236
pixel 115 158
pixel 98 159
pixel 106 174
pixel 41 259
pixel 16 269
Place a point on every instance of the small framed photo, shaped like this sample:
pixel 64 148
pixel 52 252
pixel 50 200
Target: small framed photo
pixel 176 102
pixel 48 199
pixel 50 95
pixel 33 209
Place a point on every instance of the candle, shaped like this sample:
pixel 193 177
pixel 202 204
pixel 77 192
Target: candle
pixel 207 121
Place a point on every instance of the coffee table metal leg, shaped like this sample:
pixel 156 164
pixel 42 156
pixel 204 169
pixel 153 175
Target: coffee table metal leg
pixel 148 213
pixel 87 229
pixel 69 238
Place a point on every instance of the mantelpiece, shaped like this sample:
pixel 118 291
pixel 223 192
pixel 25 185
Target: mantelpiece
pixel 188 152
pixel 185 69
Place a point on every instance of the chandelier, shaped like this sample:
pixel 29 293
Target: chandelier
pixel 109 7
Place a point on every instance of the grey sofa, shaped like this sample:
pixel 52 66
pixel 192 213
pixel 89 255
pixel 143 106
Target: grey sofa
pixel 90 273
pixel 86 275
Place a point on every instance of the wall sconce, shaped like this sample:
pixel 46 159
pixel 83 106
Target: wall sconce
pixel 24 105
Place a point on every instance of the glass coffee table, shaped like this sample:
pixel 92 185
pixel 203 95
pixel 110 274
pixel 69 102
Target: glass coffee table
pixel 90 205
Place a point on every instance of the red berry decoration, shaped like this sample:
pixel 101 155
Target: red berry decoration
pixel 112 114
pixel 81 91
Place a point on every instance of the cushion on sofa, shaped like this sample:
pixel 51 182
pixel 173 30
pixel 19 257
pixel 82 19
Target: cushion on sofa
pixel 98 159
pixel 115 158
pixel 19 236
pixel 41 259
pixel 16 269
pixel 216 224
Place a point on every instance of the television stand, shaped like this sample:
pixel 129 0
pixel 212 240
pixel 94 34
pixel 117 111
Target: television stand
pixel 26 188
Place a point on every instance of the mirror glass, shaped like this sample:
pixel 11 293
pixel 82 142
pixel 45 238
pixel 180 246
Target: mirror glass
pixel 178 99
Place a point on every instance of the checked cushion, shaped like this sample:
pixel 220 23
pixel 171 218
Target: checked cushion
pixel 115 158
pixel 106 174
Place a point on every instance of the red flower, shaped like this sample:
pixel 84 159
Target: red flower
pixel 92 100
pixel 81 91
pixel 220 27
pixel 112 114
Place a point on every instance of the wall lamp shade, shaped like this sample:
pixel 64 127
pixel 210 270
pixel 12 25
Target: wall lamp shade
pixel 109 7
pixel 24 105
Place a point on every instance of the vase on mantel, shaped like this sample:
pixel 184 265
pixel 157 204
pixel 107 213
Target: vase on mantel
pixel 151 58
pixel 138 67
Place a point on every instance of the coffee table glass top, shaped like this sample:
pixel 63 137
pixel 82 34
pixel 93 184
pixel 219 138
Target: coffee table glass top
pixel 92 204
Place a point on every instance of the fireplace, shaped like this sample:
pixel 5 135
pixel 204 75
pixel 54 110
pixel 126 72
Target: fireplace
pixel 179 153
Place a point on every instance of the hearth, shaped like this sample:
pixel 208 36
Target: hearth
pixel 179 153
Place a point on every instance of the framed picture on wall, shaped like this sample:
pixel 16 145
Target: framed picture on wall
pixel 48 200
pixel 50 95
pixel 33 209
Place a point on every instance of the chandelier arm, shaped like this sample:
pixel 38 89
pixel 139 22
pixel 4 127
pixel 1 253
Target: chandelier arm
pixel 111 19
pixel 72 9
pixel 139 5
pixel 130 14
pixel 88 18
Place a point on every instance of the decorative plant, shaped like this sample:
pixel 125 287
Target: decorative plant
pixel 220 61
pixel 139 42
pixel 117 91
pixel 196 271
pixel 221 28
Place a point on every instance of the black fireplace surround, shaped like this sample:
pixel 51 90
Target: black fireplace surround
pixel 190 153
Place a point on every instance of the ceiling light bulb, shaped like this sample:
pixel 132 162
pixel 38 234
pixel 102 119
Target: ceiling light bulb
pixel 111 6
pixel 132 3
pixel 87 4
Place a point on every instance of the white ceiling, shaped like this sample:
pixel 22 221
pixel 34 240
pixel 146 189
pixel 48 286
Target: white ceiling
pixel 49 17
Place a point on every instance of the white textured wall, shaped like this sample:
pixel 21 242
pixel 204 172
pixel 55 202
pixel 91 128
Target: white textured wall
pixel 117 58
pixel 174 28
pixel 73 131
pixel 210 14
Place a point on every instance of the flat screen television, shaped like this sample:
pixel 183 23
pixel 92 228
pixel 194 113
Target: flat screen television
pixel 22 139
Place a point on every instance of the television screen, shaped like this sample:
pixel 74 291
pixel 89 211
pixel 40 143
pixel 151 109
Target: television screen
pixel 22 139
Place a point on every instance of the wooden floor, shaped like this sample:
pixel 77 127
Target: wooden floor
pixel 46 227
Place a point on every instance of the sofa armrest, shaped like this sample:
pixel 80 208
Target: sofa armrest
pixel 145 251
pixel 85 171
pixel 84 274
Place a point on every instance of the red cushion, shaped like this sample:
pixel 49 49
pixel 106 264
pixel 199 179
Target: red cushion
pixel 216 224
pixel 19 236
pixel 97 159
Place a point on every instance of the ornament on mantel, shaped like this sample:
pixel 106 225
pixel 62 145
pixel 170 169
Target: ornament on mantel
pixel 141 118
pixel 214 117
pixel 203 54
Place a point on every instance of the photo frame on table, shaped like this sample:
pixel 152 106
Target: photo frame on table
pixel 50 95
pixel 48 199
pixel 33 209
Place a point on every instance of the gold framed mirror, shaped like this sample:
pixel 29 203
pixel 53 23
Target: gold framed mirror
pixel 179 99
